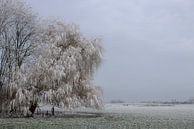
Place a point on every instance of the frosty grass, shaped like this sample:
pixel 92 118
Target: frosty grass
pixel 116 116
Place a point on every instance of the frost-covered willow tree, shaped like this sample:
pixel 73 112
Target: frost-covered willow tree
pixel 63 71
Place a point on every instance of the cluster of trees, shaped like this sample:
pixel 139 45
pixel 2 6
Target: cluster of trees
pixel 44 62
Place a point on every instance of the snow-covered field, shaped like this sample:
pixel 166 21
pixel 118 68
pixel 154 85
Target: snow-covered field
pixel 116 116
pixel 170 111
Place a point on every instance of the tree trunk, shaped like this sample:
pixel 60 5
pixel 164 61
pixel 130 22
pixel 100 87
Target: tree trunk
pixel 1 107
pixel 33 108
pixel 53 111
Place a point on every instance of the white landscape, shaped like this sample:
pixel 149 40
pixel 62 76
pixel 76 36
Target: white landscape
pixel 79 72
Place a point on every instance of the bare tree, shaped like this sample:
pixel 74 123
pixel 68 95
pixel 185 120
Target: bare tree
pixel 17 40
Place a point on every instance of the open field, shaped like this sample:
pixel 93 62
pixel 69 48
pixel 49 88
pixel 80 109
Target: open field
pixel 115 116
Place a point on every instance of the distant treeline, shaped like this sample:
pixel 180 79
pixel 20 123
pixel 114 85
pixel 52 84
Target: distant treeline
pixel 189 101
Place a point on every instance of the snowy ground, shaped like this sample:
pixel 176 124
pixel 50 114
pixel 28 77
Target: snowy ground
pixel 164 110
pixel 116 116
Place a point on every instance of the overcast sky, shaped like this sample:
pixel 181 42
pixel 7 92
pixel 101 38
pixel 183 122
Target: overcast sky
pixel 149 44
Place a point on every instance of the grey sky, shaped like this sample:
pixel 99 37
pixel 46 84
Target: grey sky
pixel 149 44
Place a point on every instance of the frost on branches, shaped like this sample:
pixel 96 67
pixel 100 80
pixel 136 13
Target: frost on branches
pixel 50 63
pixel 63 70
